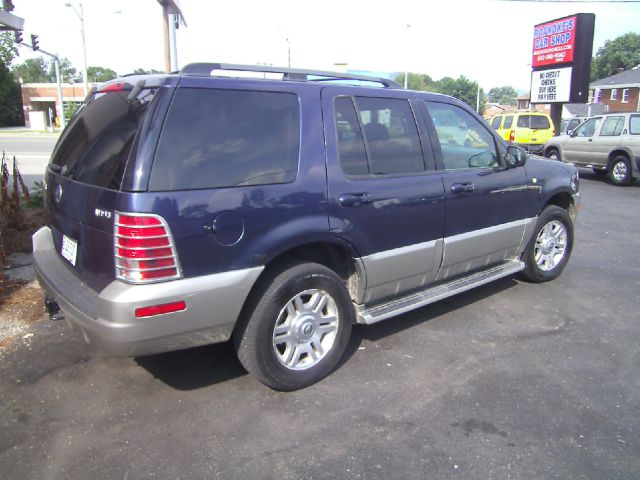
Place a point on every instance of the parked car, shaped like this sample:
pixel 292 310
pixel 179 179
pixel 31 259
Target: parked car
pixel 188 209
pixel 529 130
pixel 609 144
pixel 567 125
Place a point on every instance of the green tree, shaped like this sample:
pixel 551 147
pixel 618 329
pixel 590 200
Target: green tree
pixel 32 70
pixel 418 81
pixel 8 48
pixel 142 71
pixel 100 74
pixel 622 52
pixel 463 89
pixel 10 95
pixel 67 71
pixel 506 95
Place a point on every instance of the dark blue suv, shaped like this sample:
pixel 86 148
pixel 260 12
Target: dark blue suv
pixel 191 208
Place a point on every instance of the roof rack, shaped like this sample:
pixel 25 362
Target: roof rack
pixel 295 74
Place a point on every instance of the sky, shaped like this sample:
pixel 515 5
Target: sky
pixel 488 41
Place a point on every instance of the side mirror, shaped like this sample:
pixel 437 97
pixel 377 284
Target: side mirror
pixel 515 157
pixel 570 133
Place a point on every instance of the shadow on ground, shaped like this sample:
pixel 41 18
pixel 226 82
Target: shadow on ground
pixel 212 364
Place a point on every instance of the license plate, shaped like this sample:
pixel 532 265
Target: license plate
pixel 534 139
pixel 69 249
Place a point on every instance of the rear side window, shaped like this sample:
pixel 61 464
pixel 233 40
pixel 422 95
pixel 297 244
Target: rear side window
pixel 536 122
pixel 634 125
pixel 95 146
pixel 508 121
pixel 387 127
pixel 612 127
pixel 495 123
pixel 224 138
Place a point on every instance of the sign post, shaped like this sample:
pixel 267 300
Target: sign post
pixel 561 62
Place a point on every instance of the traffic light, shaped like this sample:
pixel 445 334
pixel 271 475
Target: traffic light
pixel 34 42
pixel 7 5
pixel 18 36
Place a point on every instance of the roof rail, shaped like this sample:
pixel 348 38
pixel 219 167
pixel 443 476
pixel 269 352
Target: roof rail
pixel 295 74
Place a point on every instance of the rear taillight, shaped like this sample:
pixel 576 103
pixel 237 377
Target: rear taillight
pixel 144 249
pixel 512 136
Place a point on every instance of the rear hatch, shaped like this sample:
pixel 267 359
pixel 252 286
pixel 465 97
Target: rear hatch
pixel 86 173
pixel 536 129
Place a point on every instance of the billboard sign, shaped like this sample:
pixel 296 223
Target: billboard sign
pixel 554 42
pixel 550 86
pixel 561 60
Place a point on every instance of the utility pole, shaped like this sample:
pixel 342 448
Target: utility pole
pixel 56 62
pixel 84 45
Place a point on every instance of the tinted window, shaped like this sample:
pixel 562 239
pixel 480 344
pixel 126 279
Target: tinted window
pixel 95 146
pixel 612 127
pixel 536 122
pixel 634 124
pixel 573 124
pixel 391 135
pixel 495 123
pixel 465 143
pixel 508 121
pixel 223 138
pixel 588 128
pixel 353 156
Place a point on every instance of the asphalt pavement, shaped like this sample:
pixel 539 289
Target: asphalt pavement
pixel 508 381
pixel 32 152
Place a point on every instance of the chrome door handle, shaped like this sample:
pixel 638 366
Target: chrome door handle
pixel 462 187
pixel 354 199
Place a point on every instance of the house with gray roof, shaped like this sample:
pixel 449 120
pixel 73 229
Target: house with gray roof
pixel 620 92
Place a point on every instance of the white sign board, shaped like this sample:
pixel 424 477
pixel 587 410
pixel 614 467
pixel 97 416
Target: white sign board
pixel 549 86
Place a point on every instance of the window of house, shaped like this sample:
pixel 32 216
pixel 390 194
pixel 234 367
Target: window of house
pixel 614 94
pixel 625 95
pixel 464 141
pixel 597 95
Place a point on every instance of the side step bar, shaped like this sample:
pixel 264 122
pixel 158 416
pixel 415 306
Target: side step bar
pixel 433 294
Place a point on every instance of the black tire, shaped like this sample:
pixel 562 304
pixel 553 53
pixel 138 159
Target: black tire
pixel 553 154
pixel 620 171
pixel 533 271
pixel 600 172
pixel 254 338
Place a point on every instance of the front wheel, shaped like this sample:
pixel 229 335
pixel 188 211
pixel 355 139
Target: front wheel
pixel 549 249
pixel 298 327
pixel 620 171
pixel 552 154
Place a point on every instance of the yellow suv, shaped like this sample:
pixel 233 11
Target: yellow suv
pixel 529 130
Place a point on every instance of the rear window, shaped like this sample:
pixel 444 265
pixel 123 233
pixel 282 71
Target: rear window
pixel 537 122
pixel 634 124
pixel 223 138
pixel 95 146
pixel 495 123
pixel 508 121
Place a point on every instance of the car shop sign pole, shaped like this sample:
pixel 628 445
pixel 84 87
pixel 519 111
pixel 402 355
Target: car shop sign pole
pixel 561 63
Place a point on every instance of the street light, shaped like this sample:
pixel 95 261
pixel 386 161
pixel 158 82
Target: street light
pixel 406 70
pixel 80 15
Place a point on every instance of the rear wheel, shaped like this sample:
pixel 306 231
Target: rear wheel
pixel 298 328
pixel 549 249
pixel 552 154
pixel 620 171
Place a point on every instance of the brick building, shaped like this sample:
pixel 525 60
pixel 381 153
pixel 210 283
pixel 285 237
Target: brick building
pixel 42 97
pixel 620 92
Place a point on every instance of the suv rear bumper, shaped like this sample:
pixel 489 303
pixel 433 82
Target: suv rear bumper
pixel 107 319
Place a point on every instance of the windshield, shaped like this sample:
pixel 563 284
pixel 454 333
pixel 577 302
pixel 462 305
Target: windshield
pixel 95 146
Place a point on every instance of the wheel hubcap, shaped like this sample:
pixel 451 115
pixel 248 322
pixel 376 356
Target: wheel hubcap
pixel 551 245
pixel 306 329
pixel 619 171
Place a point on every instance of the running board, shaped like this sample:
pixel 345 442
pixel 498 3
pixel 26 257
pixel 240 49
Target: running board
pixel 433 294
